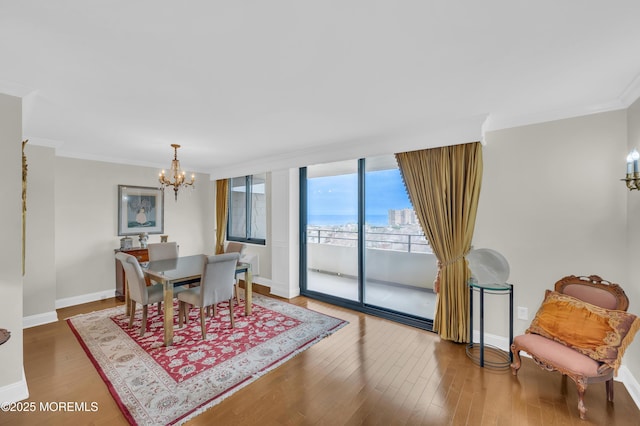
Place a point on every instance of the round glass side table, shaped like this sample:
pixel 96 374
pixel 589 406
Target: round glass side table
pixel 481 353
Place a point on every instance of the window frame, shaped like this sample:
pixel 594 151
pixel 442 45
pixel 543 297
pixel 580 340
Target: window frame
pixel 361 304
pixel 248 211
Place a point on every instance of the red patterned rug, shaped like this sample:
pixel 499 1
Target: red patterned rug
pixel 158 385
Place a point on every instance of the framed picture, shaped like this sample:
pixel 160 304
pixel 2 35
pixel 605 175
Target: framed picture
pixel 140 209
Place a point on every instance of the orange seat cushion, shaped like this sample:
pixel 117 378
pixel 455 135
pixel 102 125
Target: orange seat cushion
pixel 599 333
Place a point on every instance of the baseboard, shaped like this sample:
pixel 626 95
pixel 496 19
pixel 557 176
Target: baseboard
pixel 85 298
pixel 493 340
pixel 630 382
pixel 16 391
pixel 275 289
pixel 49 317
pixel 39 319
pixel 267 287
pixel 257 288
pixel 624 374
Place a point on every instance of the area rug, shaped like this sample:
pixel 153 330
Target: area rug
pixel 157 385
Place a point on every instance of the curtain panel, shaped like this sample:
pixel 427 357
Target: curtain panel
pixel 222 210
pixel 443 185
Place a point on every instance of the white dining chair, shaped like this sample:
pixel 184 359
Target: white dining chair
pixel 216 285
pixel 236 247
pixel 139 292
pixel 162 251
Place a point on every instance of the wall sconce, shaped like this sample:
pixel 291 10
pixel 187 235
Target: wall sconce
pixel 633 175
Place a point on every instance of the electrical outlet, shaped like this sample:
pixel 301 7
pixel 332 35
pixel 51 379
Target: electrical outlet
pixel 523 313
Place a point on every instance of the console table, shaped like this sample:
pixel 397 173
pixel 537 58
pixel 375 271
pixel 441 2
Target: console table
pixel 142 254
pixel 499 359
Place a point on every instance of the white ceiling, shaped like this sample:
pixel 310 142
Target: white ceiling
pixel 249 86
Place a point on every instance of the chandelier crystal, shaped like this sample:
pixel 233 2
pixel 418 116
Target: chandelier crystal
pixel 176 174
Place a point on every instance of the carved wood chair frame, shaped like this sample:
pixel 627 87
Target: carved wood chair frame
pixel 605 373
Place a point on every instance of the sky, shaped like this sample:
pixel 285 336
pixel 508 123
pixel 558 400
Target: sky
pixel 338 195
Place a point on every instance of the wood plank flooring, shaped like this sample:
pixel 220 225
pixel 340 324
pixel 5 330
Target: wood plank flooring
pixel 371 372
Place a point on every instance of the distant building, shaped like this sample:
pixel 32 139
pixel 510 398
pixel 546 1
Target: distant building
pixel 402 217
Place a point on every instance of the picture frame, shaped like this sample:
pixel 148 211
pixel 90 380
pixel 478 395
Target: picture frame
pixel 140 209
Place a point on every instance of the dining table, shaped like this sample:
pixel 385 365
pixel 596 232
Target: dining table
pixel 187 270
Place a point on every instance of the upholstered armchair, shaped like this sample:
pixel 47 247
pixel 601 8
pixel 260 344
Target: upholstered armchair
pixel 581 330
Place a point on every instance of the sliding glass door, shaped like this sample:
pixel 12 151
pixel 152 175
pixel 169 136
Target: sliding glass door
pixel 361 244
pixel 332 229
pixel 397 255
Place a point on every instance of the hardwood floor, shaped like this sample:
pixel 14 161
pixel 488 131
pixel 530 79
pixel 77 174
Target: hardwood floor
pixel 371 372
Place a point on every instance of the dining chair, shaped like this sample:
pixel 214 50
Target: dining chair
pixel 166 251
pixel 162 251
pixel 235 247
pixel 139 291
pixel 216 285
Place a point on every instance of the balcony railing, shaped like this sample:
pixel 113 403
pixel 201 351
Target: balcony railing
pixel 410 243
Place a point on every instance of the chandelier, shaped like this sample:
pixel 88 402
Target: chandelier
pixel 176 174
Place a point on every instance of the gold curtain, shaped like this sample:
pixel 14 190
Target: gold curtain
pixel 222 204
pixel 444 186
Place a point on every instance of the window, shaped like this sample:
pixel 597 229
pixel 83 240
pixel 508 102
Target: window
pixel 247 209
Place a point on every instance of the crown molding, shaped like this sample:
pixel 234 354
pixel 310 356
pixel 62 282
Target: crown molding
pixel 49 143
pixel 58 145
pixel 433 134
pixel 105 159
pixel 12 88
pixel 117 160
pixel 631 93
pixel 497 122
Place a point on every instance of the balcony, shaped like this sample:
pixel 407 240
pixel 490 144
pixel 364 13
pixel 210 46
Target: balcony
pixel 400 268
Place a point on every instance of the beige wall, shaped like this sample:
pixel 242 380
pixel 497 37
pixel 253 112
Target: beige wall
pixel 11 374
pixel 40 277
pixel 632 358
pixel 86 208
pixel 553 205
